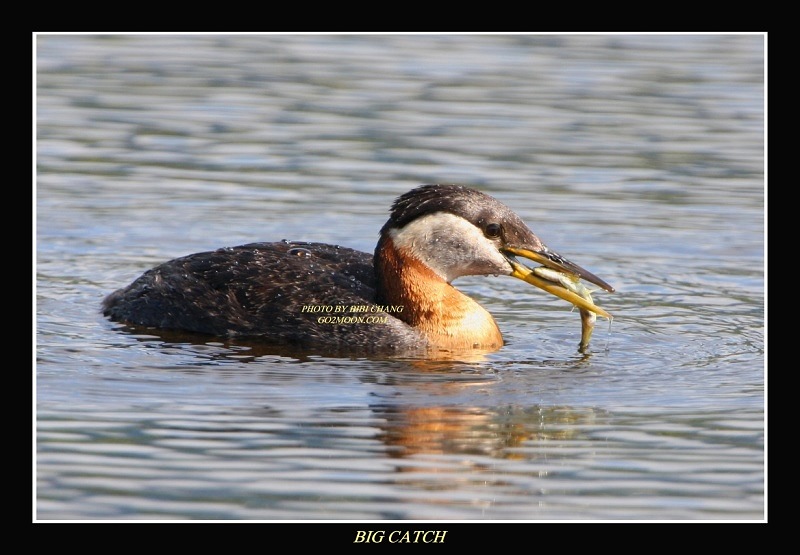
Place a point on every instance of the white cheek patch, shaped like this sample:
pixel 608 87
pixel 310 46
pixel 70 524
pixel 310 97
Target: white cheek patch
pixel 450 246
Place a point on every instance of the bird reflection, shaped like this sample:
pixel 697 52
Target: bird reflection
pixel 409 429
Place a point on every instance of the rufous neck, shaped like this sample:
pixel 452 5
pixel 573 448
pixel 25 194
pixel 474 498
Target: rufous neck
pixel 444 315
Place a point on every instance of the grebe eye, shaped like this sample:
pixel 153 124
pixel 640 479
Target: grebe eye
pixel 492 230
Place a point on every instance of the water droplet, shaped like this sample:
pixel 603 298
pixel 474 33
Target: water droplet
pixel 297 251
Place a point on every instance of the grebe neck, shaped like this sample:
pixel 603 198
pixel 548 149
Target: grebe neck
pixel 445 316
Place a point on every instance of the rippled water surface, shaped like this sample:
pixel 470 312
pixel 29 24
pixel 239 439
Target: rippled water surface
pixel 638 157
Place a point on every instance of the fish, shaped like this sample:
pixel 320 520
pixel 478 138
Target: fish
pixel 571 283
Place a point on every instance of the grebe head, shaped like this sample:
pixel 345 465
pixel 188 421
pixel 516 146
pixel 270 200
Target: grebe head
pixel 457 231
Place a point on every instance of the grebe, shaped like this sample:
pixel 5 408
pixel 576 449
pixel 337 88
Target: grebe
pixel 314 295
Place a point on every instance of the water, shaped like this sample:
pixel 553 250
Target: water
pixel 640 157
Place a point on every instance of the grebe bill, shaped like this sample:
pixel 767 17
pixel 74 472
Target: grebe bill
pixel 314 295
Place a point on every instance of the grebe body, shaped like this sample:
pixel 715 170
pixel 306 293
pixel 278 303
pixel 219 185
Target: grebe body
pixel 314 295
